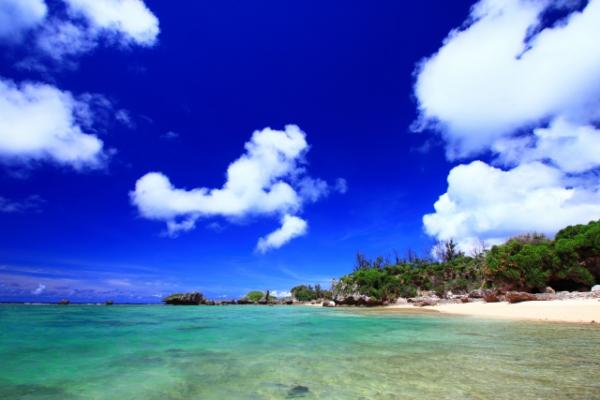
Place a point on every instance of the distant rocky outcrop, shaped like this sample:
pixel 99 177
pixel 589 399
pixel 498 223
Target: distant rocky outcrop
pixel 109 303
pixel 185 299
pixel 64 302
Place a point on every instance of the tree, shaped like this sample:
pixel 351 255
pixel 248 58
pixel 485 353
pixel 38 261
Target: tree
pixel 362 262
pixel 255 295
pixel 447 251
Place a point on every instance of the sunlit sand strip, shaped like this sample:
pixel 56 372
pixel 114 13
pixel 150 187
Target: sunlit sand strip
pixel 576 311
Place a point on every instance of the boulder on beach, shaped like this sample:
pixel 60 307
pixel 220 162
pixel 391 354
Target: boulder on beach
pixel 328 303
pixel 490 297
pixel 477 294
pixel 595 288
pixel 517 297
pixel 185 299
pixel 423 301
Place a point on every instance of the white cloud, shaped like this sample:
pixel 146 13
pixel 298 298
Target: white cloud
pixel 291 227
pixel 529 94
pixel 268 179
pixel 31 203
pixel 61 40
pixel 124 117
pixel 38 122
pixel 341 185
pixel 572 148
pixel 130 20
pixel 19 16
pixel 313 189
pixel 39 290
pixel 170 135
pixel 486 81
pixel 483 202
pixel 280 293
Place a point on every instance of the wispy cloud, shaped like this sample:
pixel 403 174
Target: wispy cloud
pixel 170 135
pixel 32 203
pixel 39 290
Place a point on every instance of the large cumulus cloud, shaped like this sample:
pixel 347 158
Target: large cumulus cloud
pixel 522 86
pixel 268 179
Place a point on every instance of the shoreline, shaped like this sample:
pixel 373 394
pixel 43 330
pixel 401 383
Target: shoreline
pixel 577 311
pixel 580 311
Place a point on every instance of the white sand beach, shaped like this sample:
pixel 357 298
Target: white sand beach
pixel 574 311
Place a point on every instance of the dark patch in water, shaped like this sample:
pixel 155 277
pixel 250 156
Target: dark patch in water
pixel 297 391
pixel 194 327
pixel 33 391
pixel 175 351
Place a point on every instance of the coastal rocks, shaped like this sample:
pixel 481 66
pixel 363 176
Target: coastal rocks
pixel 596 289
pixel 109 303
pixel 564 295
pixel 425 301
pixel 545 296
pixel 477 294
pixel 185 299
pixel 518 297
pixel 64 302
pixel 490 297
pixel 357 300
pixel 401 300
pixel 452 298
pixel 549 290
pixel 329 303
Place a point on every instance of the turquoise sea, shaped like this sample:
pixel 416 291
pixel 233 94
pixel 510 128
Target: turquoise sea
pixel 253 352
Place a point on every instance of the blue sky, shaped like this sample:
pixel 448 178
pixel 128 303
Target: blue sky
pixel 391 113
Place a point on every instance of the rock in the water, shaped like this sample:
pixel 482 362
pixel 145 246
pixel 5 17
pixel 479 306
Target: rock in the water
pixel 298 391
pixel 109 303
pixel 329 303
pixel 517 297
pixel 596 288
pixel 64 302
pixel 185 299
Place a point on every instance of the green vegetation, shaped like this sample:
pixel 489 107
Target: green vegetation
pixel 309 293
pixel 529 263
pixel 173 296
pixel 255 295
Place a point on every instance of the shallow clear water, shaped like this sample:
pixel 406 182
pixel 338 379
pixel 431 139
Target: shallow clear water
pixel 160 352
